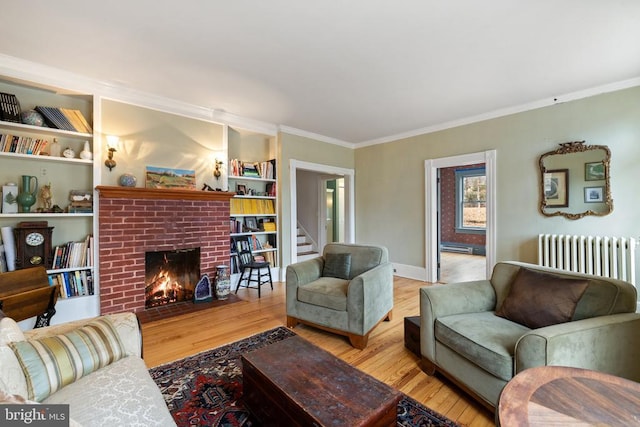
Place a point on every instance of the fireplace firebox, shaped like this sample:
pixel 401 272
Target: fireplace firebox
pixel 171 276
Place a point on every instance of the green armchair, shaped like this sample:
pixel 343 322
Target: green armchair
pixel 348 291
pixel 462 337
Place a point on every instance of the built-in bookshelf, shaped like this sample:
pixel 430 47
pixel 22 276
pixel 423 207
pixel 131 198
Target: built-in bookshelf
pixel 254 208
pixel 50 153
pixel 254 215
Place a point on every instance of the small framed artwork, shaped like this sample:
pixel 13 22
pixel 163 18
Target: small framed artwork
pixel 556 188
pixel 251 223
pixel 241 189
pixel 593 194
pixel 594 171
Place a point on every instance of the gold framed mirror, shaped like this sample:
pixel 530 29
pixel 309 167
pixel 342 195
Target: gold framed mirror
pixel 574 181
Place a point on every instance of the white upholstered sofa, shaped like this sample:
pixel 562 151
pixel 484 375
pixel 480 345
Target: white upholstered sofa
pixel 120 393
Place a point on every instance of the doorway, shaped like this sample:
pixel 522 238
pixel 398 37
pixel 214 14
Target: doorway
pixel 315 210
pixel 433 220
pixel 333 209
pixel 461 223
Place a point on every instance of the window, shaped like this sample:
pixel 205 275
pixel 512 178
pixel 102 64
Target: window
pixel 471 200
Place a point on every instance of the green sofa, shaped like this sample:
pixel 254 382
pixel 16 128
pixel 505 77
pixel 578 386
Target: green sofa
pixel 348 291
pixel 462 337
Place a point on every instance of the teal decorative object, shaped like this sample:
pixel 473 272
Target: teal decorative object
pixel 127 180
pixel 32 117
pixel 27 196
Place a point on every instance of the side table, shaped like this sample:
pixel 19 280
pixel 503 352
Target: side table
pixel 558 395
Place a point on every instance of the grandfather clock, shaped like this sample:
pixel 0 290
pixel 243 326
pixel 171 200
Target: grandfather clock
pixel 33 244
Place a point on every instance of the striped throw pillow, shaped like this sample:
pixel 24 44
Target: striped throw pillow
pixel 51 363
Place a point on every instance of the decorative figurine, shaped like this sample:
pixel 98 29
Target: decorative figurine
pixel 86 152
pixel 69 153
pixel 45 196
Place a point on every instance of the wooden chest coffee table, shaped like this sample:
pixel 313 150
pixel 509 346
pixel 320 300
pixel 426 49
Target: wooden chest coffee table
pixel 294 383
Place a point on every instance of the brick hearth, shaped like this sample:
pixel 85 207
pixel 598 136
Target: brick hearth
pixel 133 221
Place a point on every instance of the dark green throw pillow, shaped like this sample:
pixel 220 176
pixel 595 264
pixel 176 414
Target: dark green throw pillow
pixel 337 265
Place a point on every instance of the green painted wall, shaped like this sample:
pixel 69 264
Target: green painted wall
pixel 155 138
pixel 390 189
pixel 293 147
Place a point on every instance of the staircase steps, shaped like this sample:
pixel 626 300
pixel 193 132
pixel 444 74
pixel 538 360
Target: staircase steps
pixel 304 250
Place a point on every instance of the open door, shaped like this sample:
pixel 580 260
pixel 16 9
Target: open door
pixel 434 219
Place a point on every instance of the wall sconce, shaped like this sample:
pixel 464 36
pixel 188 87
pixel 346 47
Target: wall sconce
pixel 217 172
pixel 112 143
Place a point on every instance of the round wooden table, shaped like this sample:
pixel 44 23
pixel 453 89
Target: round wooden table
pixel 557 395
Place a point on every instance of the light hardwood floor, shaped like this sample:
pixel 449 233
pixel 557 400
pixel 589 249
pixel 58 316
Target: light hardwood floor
pixel 455 267
pixel 385 357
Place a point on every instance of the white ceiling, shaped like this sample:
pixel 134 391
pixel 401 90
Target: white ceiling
pixel 357 71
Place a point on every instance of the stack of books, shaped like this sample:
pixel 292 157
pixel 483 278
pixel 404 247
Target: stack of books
pixel 264 170
pixel 81 201
pixel 9 108
pixel 65 119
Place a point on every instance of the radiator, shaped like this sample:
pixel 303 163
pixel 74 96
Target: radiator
pixel 600 255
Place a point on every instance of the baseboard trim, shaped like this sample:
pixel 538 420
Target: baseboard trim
pixel 410 271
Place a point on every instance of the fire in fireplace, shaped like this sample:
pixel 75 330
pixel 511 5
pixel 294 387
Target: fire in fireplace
pixel 171 276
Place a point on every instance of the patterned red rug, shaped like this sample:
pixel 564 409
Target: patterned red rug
pixel 206 389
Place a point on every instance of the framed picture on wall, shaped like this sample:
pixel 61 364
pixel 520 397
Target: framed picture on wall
pixel 593 194
pixel 556 188
pixel 594 171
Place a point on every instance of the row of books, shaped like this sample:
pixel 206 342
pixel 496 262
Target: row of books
pixel 242 225
pixel 264 170
pixel 252 206
pixel 22 144
pixel 65 119
pixel 73 254
pixel 73 283
pixel 269 257
pixel 9 108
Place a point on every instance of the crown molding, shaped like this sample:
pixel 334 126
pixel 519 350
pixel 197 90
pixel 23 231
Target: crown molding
pixel 315 136
pixel 586 93
pixel 62 81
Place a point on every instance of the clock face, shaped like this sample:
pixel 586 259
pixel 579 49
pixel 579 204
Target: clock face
pixel 34 239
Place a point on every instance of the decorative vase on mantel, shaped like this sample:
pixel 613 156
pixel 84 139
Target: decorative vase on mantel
pixel 27 197
pixel 222 284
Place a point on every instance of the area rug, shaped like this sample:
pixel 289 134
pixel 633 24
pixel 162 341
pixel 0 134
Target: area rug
pixel 206 389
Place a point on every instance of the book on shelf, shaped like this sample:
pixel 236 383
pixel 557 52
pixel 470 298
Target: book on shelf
pixel 73 283
pixel 73 254
pixel 236 225
pixel 22 144
pixel 77 120
pixel 248 206
pixel 267 224
pixel 250 169
pixel 64 119
pixel 264 170
pixel 9 108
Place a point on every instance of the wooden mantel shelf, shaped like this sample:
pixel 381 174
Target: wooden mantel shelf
pixel 110 192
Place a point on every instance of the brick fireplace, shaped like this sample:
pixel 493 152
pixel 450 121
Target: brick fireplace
pixel 133 221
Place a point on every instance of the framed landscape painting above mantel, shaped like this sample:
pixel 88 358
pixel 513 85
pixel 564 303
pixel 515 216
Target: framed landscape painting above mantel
pixel 159 177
